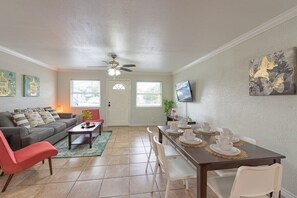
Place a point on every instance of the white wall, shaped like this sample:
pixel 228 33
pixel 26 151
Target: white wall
pixel 222 97
pixel 139 116
pixel 48 84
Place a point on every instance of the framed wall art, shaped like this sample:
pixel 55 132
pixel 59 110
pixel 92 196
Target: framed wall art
pixel 273 74
pixel 31 86
pixel 7 83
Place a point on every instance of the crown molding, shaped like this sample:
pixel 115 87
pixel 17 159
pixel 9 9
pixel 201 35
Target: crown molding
pixel 24 57
pixel 282 18
pixel 104 70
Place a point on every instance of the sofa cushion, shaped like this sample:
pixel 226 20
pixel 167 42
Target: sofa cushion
pixel 21 120
pixel 39 134
pixel 54 113
pixel 6 119
pixel 34 118
pixel 47 117
pixel 58 126
pixel 69 122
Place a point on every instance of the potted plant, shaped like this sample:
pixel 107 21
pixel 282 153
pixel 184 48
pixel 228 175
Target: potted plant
pixel 87 115
pixel 167 106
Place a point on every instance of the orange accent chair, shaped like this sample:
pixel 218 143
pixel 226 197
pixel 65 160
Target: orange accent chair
pixel 95 117
pixel 13 162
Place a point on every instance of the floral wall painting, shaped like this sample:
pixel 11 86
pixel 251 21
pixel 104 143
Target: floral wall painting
pixel 31 86
pixel 7 83
pixel 273 74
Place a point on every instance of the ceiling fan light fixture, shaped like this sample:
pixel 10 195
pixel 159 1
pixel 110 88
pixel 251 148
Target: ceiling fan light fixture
pixel 113 72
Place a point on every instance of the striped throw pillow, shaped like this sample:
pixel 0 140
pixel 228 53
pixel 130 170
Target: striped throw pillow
pixel 47 116
pixel 34 119
pixel 21 120
pixel 54 113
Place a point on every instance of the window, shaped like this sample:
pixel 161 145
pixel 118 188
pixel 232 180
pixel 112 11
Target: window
pixel 118 87
pixel 85 93
pixel 148 94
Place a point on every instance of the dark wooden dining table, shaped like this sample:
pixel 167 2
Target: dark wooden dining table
pixel 204 161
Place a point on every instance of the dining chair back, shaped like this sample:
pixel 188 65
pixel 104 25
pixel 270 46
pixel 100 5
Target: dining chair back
pixel 174 168
pixel 13 162
pixel 257 181
pixel 249 140
pixel 161 155
pixel 170 152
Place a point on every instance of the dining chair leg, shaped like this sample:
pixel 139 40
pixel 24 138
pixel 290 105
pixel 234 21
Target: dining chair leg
pixel 187 184
pixel 7 182
pixel 155 173
pixel 2 173
pixel 167 188
pixel 148 159
pixel 50 165
pixel 42 161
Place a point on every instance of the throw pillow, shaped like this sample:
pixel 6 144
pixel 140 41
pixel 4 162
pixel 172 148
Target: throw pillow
pixel 34 119
pixel 21 120
pixel 47 116
pixel 54 113
pixel 20 110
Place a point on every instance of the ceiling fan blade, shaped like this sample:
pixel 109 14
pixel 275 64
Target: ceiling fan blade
pixel 129 65
pixel 125 69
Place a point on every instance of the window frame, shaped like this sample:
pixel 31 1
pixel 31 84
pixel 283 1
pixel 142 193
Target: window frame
pixel 71 92
pixel 149 106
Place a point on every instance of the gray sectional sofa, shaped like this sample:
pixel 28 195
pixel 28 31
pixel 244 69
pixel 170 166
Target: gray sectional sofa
pixel 19 137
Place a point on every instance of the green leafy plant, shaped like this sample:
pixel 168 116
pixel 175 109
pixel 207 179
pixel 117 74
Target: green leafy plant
pixel 87 115
pixel 168 105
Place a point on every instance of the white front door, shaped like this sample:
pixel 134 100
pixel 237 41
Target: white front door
pixel 118 102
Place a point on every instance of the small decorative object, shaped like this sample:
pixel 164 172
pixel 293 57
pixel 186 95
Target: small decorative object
pixel 87 115
pixel 273 74
pixel 7 83
pixel 31 86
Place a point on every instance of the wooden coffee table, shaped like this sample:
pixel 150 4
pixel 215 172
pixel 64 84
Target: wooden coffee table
pixel 87 133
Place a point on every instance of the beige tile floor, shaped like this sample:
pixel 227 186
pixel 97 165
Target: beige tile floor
pixel 119 172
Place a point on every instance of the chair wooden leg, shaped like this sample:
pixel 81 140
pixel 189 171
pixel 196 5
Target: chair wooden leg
pixel 50 165
pixel 42 161
pixel 2 173
pixel 187 184
pixel 7 182
pixel 167 188
pixel 155 173
pixel 148 159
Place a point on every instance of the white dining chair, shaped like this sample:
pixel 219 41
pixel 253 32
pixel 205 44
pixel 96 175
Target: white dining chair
pixel 174 168
pixel 249 181
pixel 169 150
pixel 232 171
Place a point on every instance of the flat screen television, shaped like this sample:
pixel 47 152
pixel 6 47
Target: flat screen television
pixel 184 92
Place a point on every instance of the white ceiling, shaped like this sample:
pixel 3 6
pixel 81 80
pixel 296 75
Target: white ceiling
pixel 156 35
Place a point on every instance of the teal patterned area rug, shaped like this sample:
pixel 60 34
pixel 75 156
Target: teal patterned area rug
pixel 83 150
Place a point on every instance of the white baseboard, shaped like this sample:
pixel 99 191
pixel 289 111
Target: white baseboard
pixel 287 194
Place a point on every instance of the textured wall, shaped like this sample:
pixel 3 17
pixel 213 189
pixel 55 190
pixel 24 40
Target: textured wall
pixel 222 98
pixel 48 84
pixel 138 116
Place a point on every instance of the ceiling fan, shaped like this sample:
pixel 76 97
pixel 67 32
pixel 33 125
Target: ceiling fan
pixel 114 66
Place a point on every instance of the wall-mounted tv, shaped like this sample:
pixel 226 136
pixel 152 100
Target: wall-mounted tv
pixel 184 92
